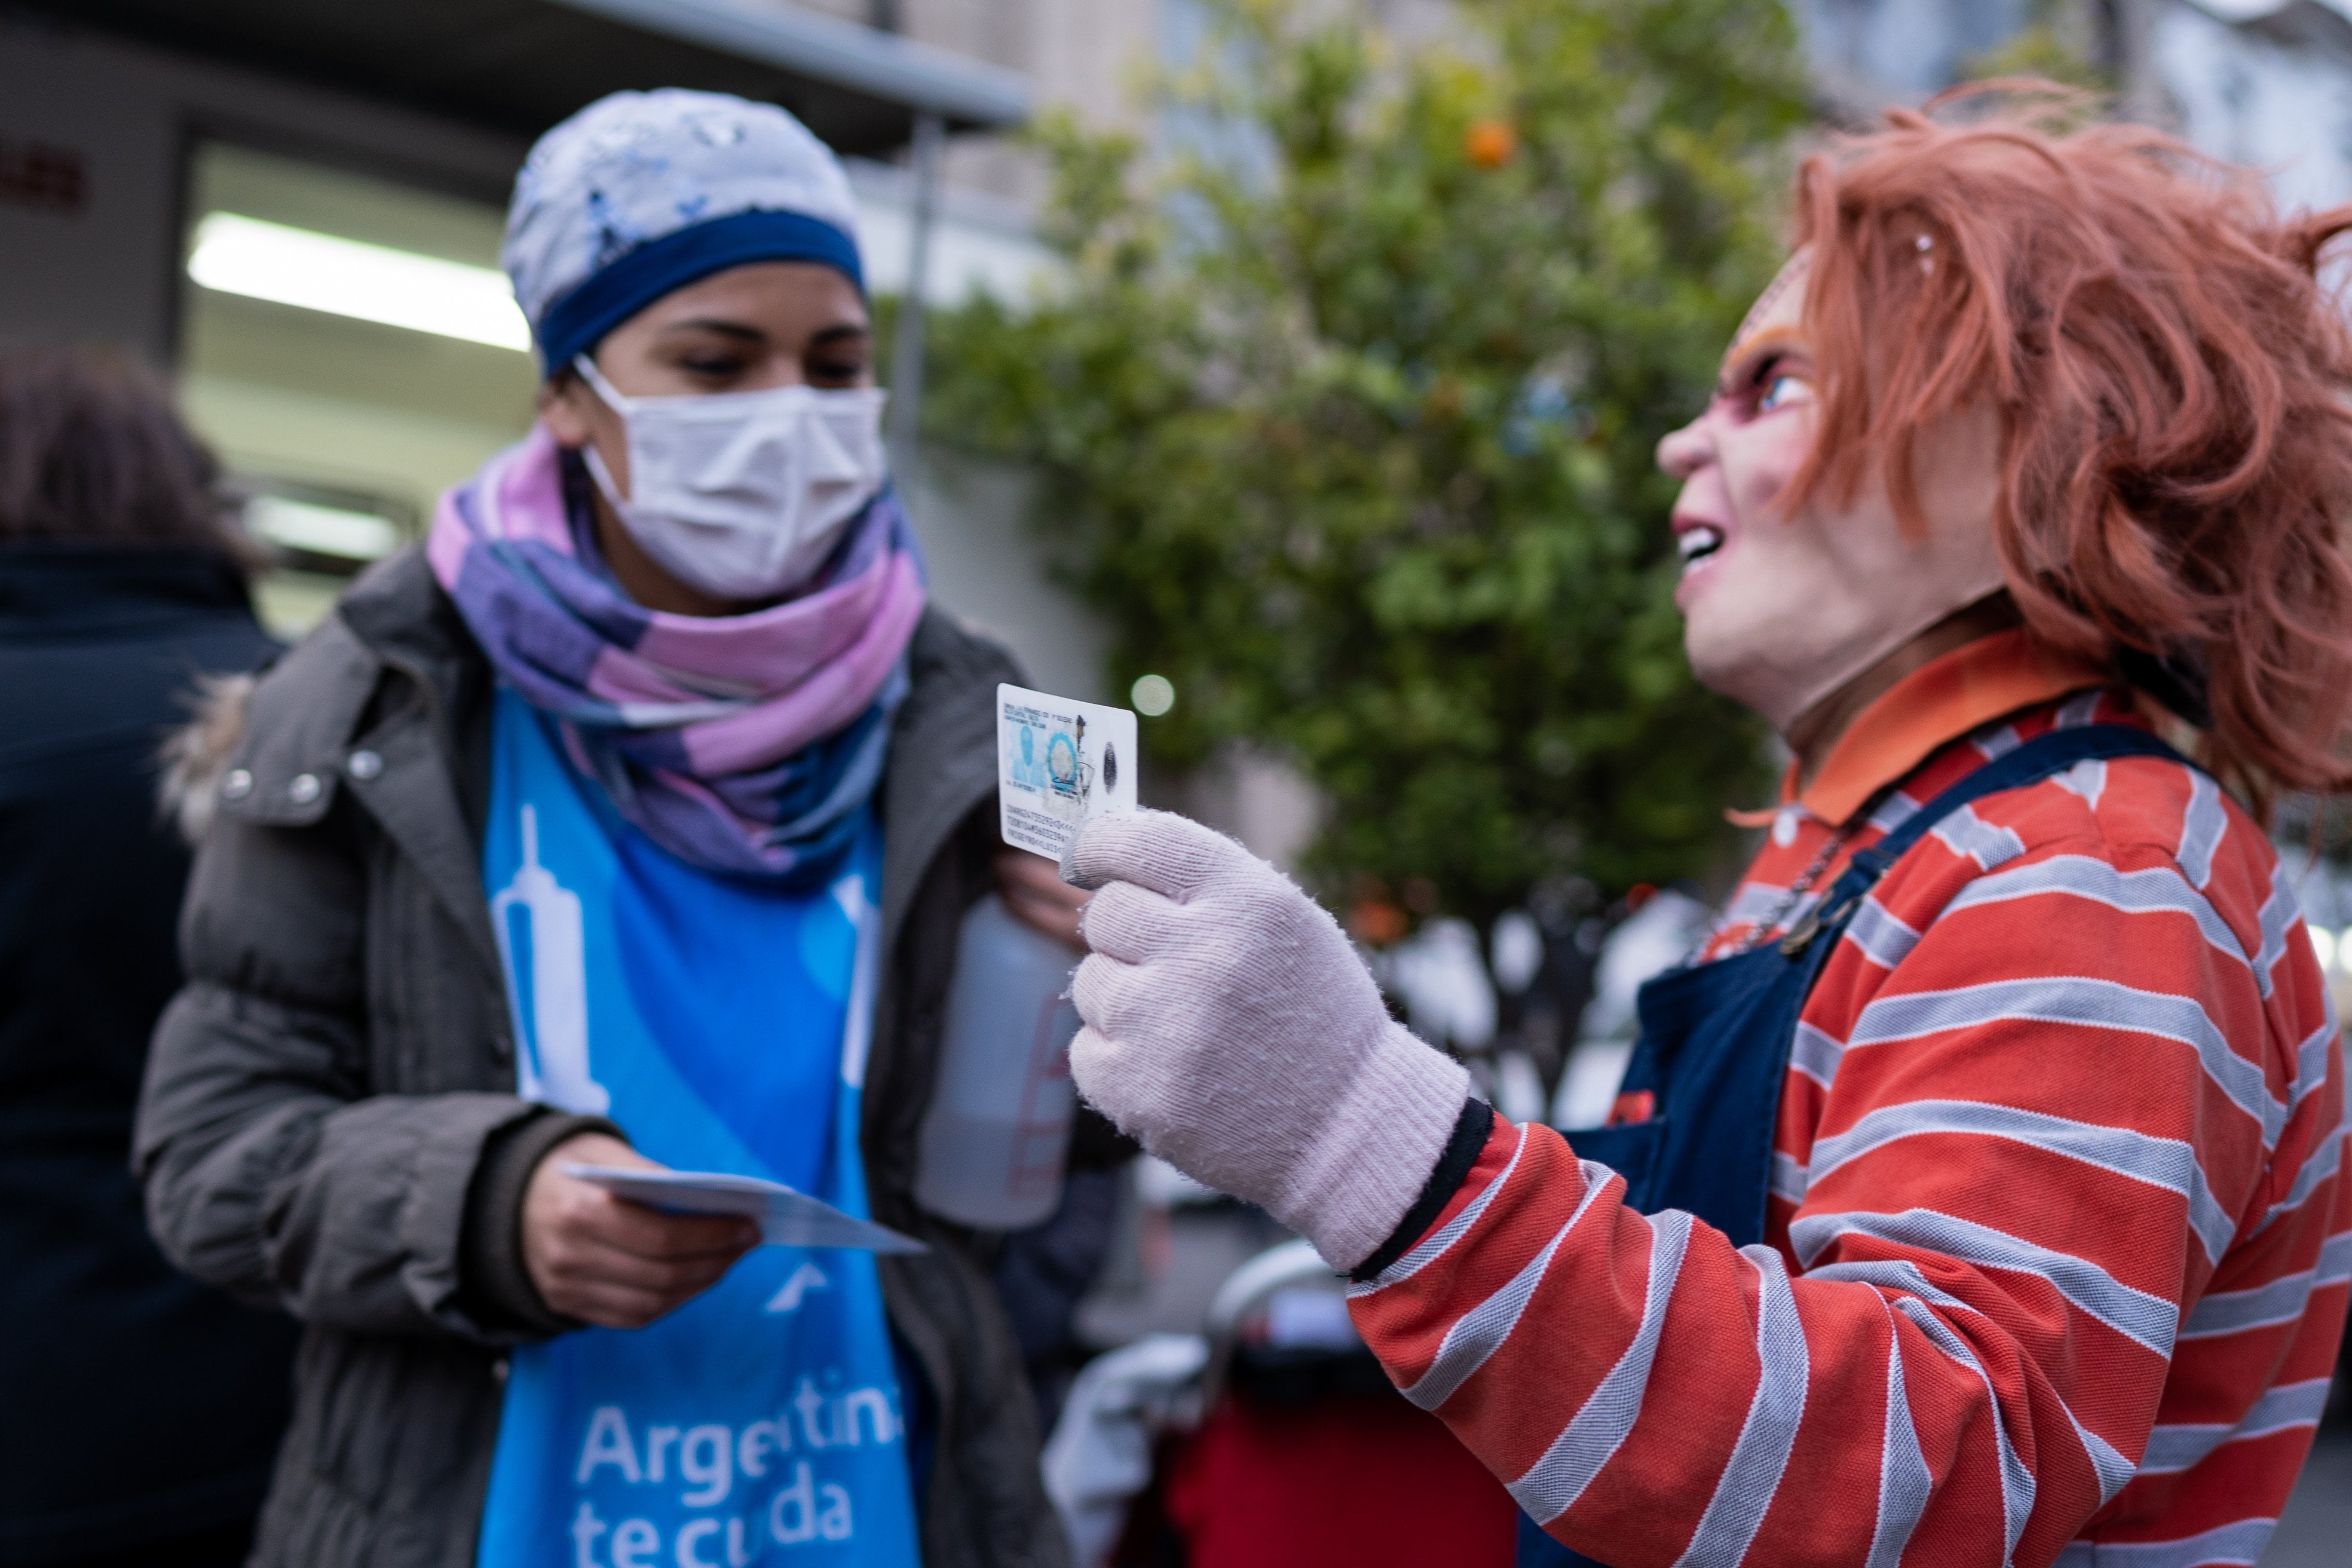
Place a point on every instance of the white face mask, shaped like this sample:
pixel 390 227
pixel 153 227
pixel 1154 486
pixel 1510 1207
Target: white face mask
pixel 742 494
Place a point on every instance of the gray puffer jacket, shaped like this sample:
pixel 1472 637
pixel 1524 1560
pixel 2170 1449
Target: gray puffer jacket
pixel 328 1124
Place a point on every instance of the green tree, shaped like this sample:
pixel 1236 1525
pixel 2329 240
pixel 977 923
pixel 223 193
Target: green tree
pixel 1346 417
pixel 2062 41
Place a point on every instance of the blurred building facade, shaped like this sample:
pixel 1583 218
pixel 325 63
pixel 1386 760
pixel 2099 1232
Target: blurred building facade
pixel 2261 82
pixel 134 134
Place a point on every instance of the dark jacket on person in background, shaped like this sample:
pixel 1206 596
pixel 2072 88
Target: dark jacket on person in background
pixel 136 1406
pixel 331 1122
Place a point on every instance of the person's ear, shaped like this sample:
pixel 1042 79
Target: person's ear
pixel 563 400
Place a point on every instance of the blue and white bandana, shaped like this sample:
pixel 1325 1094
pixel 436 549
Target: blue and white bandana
pixel 641 193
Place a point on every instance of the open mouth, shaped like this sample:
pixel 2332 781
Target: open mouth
pixel 1695 544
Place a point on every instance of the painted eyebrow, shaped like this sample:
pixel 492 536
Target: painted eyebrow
pixel 1744 353
pixel 742 333
pixel 724 328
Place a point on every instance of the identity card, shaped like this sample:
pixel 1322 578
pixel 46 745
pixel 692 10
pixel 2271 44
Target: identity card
pixel 787 1217
pixel 1060 763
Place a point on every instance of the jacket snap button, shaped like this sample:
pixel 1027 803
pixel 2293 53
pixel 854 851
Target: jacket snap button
pixel 238 785
pixel 365 766
pixel 304 789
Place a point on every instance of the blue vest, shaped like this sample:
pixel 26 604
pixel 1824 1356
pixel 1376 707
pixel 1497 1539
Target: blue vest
pixel 725 1026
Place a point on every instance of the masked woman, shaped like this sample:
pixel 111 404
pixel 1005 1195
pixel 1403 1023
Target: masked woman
pixel 1978 1197
pixel 630 819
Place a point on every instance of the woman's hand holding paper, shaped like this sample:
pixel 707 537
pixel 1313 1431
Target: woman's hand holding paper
pixel 606 1260
pixel 1232 1028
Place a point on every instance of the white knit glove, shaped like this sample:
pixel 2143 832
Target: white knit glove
pixel 1232 1028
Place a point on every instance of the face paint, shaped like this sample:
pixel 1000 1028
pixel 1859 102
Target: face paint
pixel 1780 609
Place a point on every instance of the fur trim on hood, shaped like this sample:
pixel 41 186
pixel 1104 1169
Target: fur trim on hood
pixel 197 754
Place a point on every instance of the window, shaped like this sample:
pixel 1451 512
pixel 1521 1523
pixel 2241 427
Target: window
pixel 350 351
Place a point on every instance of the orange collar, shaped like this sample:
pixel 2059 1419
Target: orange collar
pixel 1937 703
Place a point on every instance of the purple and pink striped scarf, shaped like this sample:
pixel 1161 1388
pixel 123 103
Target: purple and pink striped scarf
pixel 747 744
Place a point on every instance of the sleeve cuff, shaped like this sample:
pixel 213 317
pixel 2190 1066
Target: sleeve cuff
pixel 1470 1133
pixel 496 1281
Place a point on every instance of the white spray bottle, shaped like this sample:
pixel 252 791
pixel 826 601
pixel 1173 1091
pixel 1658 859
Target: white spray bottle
pixel 998 1129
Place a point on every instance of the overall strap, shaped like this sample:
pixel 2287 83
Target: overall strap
pixel 2030 762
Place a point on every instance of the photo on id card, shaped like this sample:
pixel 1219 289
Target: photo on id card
pixel 1060 763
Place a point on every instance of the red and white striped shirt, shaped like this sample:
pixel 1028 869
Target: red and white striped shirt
pixel 2059 1248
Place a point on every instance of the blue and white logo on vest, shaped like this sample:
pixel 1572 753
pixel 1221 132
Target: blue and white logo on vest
pixel 724 1026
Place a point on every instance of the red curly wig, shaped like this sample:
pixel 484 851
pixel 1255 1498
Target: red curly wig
pixel 2171 380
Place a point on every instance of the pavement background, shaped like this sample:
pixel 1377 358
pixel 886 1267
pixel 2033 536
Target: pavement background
pixel 2315 1532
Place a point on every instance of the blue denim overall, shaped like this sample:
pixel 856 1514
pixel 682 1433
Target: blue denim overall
pixel 1715 1038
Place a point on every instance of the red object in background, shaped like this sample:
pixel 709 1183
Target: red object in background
pixel 1632 1109
pixel 40 174
pixel 1346 1481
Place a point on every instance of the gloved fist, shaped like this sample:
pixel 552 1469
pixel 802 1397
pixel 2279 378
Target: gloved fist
pixel 1232 1028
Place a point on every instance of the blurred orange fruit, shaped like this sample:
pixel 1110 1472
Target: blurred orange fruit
pixel 1376 922
pixel 1489 143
